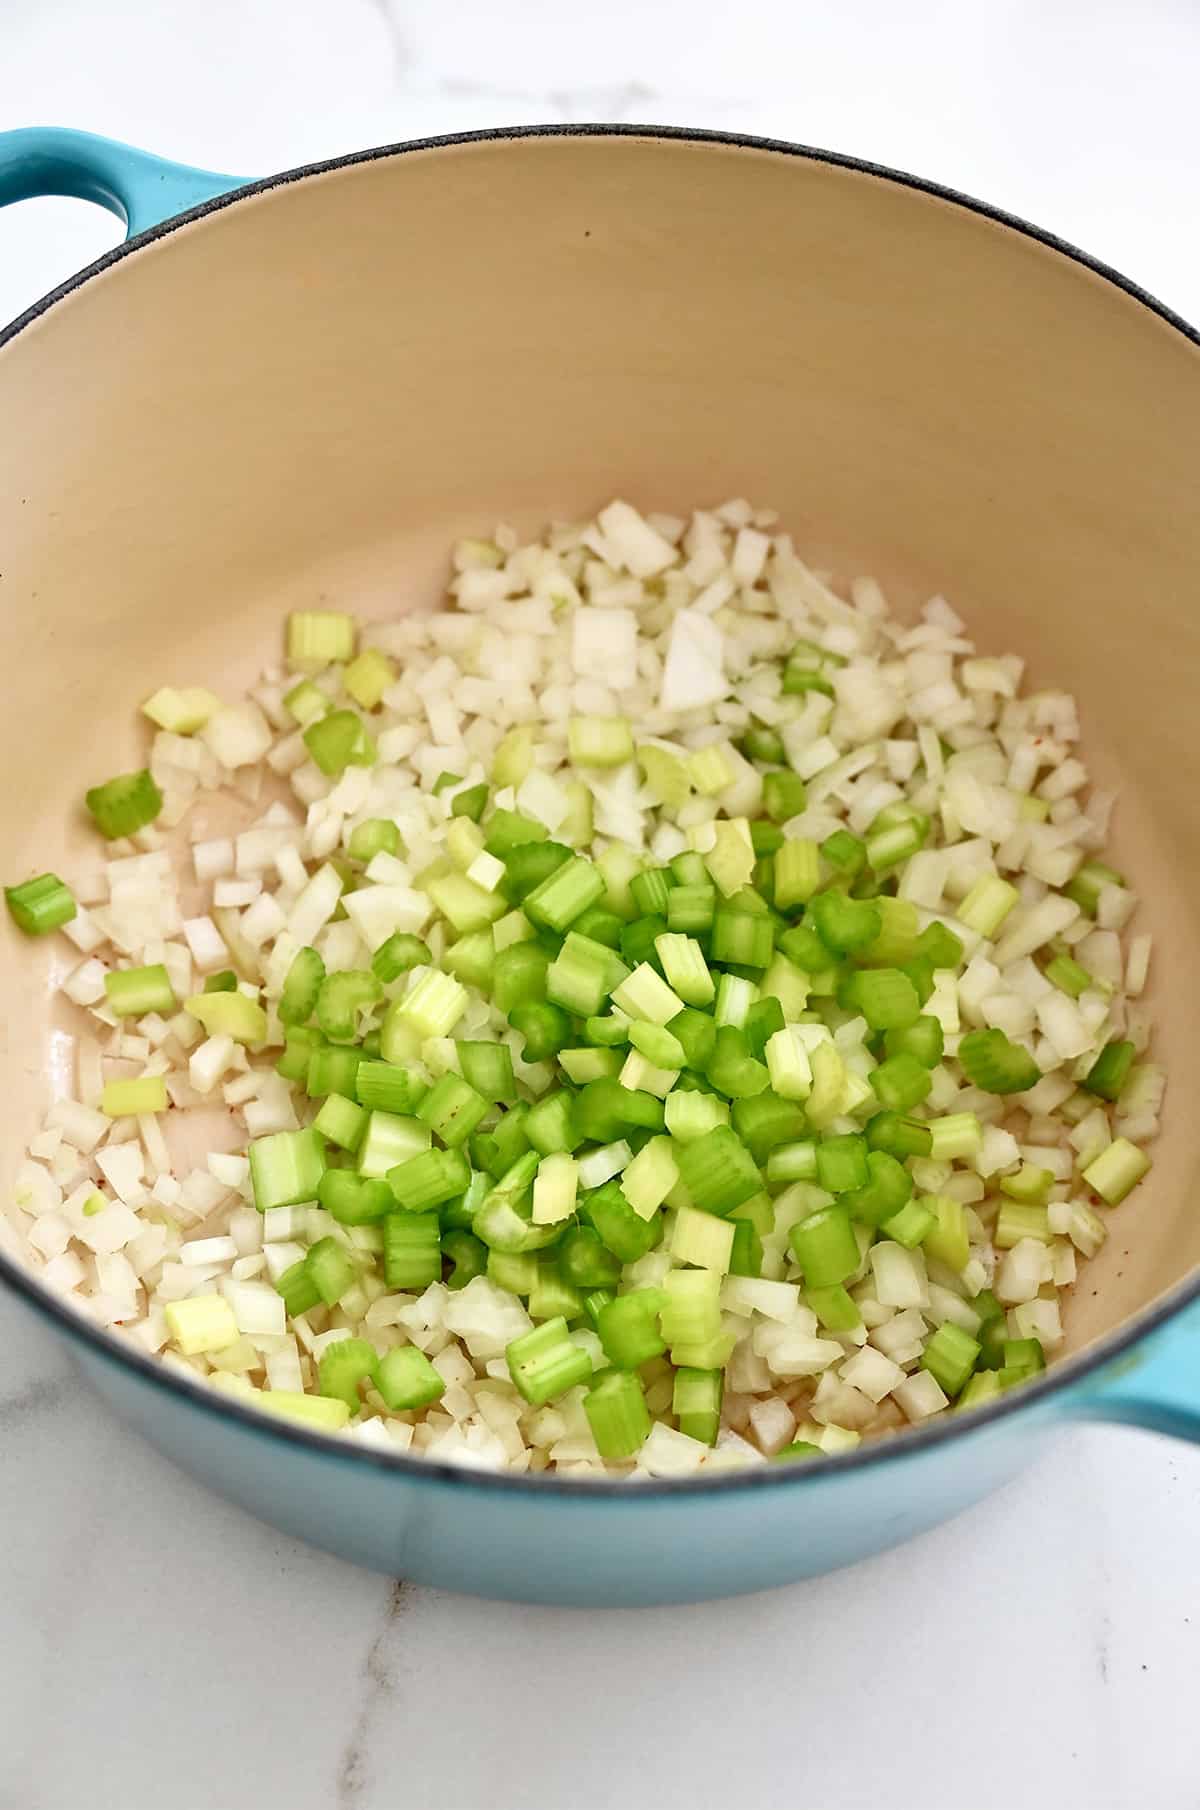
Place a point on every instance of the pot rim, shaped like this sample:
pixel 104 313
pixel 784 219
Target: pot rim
pixel 119 1353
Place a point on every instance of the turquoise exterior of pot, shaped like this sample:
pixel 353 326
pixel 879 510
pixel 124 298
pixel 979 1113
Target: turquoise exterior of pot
pixel 141 189
pixel 627 1545
pixel 553 1540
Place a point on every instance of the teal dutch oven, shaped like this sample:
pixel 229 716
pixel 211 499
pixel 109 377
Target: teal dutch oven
pixel 305 386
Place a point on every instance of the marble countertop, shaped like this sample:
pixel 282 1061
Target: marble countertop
pixel 1042 1650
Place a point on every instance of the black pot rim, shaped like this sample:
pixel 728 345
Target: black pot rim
pixel 120 1353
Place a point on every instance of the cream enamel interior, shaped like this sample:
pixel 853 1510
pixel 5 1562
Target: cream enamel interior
pixel 305 396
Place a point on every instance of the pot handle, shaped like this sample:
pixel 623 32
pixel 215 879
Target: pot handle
pixel 1156 1386
pixel 139 188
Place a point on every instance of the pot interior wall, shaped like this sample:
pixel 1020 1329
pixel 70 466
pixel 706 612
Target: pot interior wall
pixel 303 397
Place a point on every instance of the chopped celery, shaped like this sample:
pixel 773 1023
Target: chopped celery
pixel 545 1363
pixel 305 702
pixel 132 992
pixel 317 638
pixel 286 1168
pixel 412 1250
pixel 702 1239
pixel 341 998
pixel 645 995
pixel 354 1200
pixel 429 1179
pixel 599 741
pixel 338 741
pixel 407 1380
pixel 181 712
pixel 342 1121
pixel 994 1064
pixel 125 1099
pixel 302 984
pixel 201 1323
pixel 320 1412
pixel 229 1015
pixel 825 1247
pixel 718 1171
pixel 368 676
pixel 1116 1170
pixel 397 955
pixel 343 1368
pixel 616 1409
pixel 124 804
pixel 950 1355
pixel 628 1328
pixel 435 1004
pixel 1110 1071
pixel 452 1109
pixel 40 905
pixel 686 970
pixel 696 1403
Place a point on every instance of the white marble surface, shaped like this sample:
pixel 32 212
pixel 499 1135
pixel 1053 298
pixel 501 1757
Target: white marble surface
pixel 161 1648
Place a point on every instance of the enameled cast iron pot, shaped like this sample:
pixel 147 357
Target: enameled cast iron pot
pixel 303 388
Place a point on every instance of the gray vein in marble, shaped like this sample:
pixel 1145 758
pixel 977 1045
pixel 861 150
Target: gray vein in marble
pixel 1102 1632
pixel 622 101
pixel 378 1686
pixel 16 1411
pixel 391 25
pixel 612 101
pixel 1100 1597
